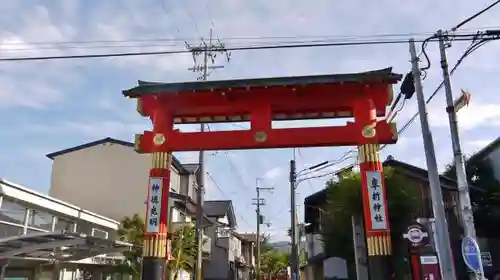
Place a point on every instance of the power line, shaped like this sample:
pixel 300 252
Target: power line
pixel 475 15
pixel 209 11
pixel 164 6
pixel 239 38
pixel 224 195
pixel 473 47
pixel 242 48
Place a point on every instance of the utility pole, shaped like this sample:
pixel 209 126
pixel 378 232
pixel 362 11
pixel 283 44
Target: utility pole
pixel 258 202
pixel 442 237
pixel 293 216
pixel 466 213
pixel 209 51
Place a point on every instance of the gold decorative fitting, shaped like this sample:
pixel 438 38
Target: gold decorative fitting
pixel 379 245
pixel 159 139
pixel 369 153
pixel 260 136
pixel 368 131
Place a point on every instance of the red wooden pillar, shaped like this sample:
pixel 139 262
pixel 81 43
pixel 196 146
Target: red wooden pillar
pixel 155 253
pixel 378 237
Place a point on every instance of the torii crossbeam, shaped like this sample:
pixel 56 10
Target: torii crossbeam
pixel 361 97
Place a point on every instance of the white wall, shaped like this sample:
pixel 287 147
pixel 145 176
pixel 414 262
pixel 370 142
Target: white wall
pixel 314 245
pixel 109 179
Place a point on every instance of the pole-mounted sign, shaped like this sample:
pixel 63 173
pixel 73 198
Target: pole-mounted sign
pixel 462 101
pixel 472 256
pixel 417 235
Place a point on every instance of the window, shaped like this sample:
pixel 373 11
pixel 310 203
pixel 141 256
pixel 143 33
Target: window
pixel 10 230
pixel 40 219
pixel 84 227
pixel 174 181
pixel 63 224
pixel 99 233
pixel 12 212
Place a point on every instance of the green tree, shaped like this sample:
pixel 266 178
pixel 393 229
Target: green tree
pixel 484 194
pixel 344 199
pixel 183 246
pixel 272 262
pixel 132 230
pixel 184 249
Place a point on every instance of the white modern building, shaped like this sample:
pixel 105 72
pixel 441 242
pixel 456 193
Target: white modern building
pixel 41 235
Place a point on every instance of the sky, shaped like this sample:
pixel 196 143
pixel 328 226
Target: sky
pixel 50 105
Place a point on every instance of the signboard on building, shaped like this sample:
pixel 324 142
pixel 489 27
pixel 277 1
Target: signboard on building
pixel 376 198
pixel 154 205
pixel 486 258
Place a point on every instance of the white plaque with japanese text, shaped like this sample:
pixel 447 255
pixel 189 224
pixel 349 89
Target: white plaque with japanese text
pixel 154 205
pixel 376 200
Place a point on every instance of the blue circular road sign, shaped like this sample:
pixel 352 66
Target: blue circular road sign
pixel 471 254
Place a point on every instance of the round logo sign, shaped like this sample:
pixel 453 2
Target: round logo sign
pixel 416 234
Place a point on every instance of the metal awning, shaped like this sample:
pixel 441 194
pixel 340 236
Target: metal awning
pixel 61 246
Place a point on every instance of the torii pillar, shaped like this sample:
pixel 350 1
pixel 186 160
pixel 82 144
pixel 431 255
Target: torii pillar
pixel 156 242
pixel 377 231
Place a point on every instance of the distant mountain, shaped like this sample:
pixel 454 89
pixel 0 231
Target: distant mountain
pixel 285 246
pixel 282 246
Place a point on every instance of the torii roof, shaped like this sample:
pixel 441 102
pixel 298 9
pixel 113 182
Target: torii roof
pixel 377 76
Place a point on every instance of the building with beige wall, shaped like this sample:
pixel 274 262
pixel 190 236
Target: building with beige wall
pixel 110 178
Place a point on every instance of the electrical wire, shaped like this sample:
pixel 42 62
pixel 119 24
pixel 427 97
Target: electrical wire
pixel 209 11
pixel 302 157
pixel 472 47
pixel 475 15
pixel 332 172
pixel 242 48
pixel 343 158
pixel 244 38
pixel 224 195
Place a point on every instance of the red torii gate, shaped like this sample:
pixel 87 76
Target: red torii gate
pixel 362 96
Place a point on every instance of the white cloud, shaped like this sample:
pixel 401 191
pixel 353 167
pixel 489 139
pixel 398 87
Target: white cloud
pixel 274 173
pixel 35 94
pixel 88 129
pixel 477 114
